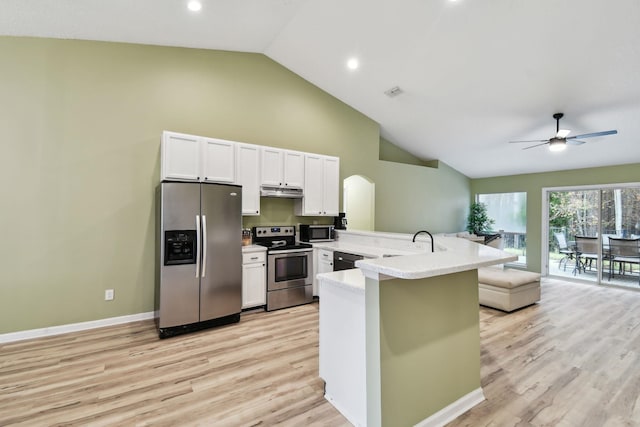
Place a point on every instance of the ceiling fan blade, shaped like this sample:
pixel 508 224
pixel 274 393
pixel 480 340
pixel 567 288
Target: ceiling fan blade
pixel 563 133
pixel 591 135
pixel 537 145
pixel 575 142
pixel 534 140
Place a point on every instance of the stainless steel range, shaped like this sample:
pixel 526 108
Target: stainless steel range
pixel 289 266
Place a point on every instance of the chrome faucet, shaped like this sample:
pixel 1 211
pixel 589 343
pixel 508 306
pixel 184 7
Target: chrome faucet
pixel 424 231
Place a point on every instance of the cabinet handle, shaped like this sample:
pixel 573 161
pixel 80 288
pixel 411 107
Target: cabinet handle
pixel 254 257
pixel 256 211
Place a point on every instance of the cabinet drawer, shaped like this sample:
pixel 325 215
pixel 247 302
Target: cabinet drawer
pixel 251 257
pixel 325 255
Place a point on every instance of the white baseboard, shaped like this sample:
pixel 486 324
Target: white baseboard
pixel 73 327
pixel 454 410
pixel 345 413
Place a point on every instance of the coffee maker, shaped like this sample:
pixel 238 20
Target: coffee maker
pixel 340 221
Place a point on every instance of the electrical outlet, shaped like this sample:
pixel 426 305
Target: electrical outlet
pixel 108 294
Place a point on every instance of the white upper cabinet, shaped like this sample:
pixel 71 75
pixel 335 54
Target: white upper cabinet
pixel 293 169
pixel 314 189
pixel 282 168
pixel 321 186
pixel 218 160
pixel 180 156
pixel 196 158
pixel 331 186
pixel 272 162
pixel 248 175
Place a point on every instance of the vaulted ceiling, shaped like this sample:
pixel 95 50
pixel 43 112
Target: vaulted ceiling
pixel 473 74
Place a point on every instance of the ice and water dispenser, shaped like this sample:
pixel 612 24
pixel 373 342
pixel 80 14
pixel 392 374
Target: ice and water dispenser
pixel 180 247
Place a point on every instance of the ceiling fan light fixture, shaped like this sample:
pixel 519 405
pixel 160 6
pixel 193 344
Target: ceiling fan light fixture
pixel 557 145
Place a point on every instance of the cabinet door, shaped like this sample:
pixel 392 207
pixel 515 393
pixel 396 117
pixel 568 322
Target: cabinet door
pixel 322 263
pixel 248 175
pixel 254 285
pixel 325 261
pixel 331 184
pixel 218 160
pixel 180 156
pixel 294 169
pixel 313 191
pixel 272 166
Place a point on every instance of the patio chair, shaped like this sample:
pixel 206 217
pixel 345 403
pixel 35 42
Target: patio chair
pixel 564 249
pixel 623 251
pixel 586 253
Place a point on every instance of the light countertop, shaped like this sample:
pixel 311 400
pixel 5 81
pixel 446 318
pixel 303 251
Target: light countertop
pixel 364 250
pixel 253 248
pixel 452 255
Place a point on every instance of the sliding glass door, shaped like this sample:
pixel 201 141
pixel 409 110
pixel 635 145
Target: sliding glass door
pixel 594 234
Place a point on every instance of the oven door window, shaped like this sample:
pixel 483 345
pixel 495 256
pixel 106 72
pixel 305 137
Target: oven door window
pixel 290 268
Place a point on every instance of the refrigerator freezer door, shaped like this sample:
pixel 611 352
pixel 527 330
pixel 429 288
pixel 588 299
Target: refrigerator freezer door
pixel 179 283
pixel 221 284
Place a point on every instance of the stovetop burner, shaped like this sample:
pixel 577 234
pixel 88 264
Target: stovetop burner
pixel 278 238
pixel 285 247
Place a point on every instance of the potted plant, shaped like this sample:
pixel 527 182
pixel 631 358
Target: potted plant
pixel 478 222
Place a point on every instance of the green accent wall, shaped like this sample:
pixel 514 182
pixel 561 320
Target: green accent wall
pixel 426 354
pixel 81 124
pixel 533 184
pixel 392 153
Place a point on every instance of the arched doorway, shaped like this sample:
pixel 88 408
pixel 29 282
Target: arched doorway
pixel 359 202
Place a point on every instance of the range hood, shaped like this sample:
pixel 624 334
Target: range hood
pixel 283 192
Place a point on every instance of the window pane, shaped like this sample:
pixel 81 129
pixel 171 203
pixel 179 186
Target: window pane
pixel 509 211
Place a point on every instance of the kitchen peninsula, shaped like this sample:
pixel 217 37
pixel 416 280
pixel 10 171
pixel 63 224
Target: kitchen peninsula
pixel 399 336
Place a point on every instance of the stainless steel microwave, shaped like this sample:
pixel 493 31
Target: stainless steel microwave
pixel 317 233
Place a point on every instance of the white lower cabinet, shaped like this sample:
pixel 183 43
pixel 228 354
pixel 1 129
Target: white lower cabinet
pixel 254 279
pixel 323 264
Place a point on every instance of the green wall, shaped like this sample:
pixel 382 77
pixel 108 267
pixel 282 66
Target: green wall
pixel 423 346
pixel 81 124
pixel 533 184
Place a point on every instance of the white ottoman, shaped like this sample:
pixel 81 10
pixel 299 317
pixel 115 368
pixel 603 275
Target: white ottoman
pixel 507 289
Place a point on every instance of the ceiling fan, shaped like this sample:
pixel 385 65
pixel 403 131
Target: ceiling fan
pixel 561 139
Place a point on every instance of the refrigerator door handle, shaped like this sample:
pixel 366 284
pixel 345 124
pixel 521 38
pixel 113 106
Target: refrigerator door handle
pixel 197 246
pixel 204 244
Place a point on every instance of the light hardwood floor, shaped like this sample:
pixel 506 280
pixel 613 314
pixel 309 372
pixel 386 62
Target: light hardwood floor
pixel 572 360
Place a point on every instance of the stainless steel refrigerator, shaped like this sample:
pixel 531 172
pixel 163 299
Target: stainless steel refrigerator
pixel 199 256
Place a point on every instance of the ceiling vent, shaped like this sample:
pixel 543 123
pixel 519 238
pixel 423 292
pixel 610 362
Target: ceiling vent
pixel 393 92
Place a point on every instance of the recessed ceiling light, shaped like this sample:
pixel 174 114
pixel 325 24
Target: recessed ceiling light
pixel 194 5
pixel 353 63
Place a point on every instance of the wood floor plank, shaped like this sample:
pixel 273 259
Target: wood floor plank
pixel 571 360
